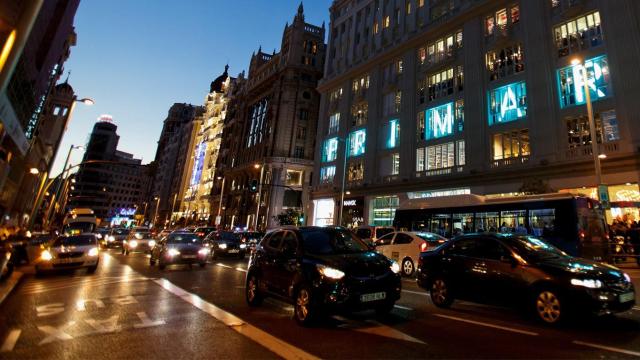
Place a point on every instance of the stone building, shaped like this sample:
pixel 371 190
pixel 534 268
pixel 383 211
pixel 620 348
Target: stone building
pixel 269 136
pixel 444 97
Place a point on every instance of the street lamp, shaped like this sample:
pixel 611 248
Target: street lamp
pixel 261 167
pixel 344 177
pixel 218 218
pixel 155 216
pixel 592 124
pixel 34 171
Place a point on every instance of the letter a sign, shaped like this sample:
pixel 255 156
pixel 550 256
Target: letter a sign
pixel 509 103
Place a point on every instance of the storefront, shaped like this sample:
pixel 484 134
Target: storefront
pixel 382 210
pixel 324 210
pixel 353 212
pixel 624 201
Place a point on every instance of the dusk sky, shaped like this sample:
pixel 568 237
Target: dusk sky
pixel 136 58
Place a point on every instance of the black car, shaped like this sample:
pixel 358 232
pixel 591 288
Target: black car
pixel 204 231
pixel 320 270
pixel 522 270
pixel 180 248
pixel 226 243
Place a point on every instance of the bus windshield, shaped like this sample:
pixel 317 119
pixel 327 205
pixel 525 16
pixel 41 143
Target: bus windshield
pixel 77 228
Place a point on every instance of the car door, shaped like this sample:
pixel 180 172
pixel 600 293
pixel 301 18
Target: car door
pixel 271 255
pixel 463 268
pixel 503 280
pixel 286 264
pixel 403 247
pixel 384 245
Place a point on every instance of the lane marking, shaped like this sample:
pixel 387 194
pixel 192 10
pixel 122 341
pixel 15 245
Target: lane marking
pixel 224 265
pixel 56 333
pixel 493 326
pixel 11 340
pixel 416 292
pixel 96 284
pixel 146 322
pixel 276 345
pixel 608 348
pixel 377 329
pixel 636 308
pixel 241 269
pixel 402 307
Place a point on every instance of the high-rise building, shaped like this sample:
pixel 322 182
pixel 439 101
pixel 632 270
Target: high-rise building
pixel 434 98
pixel 171 159
pixel 271 131
pixel 110 182
pixel 200 174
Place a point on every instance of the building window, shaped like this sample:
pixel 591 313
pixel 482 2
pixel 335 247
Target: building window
pixel 441 49
pixel 507 103
pixel 304 114
pixel 298 152
pixel 330 150
pixel 511 144
pixel 571 82
pixel 334 123
pixel 440 121
pixel 335 96
pixel 391 71
pixel 505 62
pixel 386 22
pixel 302 133
pixel 578 133
pixel 294 178
pixel 375 27
pixel 408 7
pixel 258 115
pixel 440 8
pixel 383 209
pixel 498 22
pixel 357 140
pixel 443 83
pixel 327 174
pixel 360 85
pixel 392 129
pixel 355 172
pixel 390 165
pixel 392 103
pixel 460 115
pixel 421 126
pixel 395 159
pixel 578 34
pixel 359 114
pixel 440 156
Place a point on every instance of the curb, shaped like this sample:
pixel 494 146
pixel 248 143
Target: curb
pixel 9 285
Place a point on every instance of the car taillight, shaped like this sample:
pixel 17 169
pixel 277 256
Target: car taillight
pixel 423 247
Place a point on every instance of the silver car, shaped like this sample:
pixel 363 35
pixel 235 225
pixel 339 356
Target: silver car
pixel 70 252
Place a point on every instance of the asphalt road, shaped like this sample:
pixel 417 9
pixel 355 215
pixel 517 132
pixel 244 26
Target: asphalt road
pixel 131 310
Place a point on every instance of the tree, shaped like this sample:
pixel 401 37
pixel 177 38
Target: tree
pixel 290 216
pixel 534 186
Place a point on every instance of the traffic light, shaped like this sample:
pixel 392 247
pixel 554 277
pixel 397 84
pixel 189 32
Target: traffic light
pixel 253 186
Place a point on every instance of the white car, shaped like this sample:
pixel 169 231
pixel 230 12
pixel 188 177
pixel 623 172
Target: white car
pixel 138 240
pixel 405 247
pixel 70 252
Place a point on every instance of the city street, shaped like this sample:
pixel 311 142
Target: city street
pixel 130 310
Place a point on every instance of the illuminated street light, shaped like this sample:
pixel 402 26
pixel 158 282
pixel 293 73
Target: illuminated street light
pixel 602 156
pixel 87 101
pixel 256 166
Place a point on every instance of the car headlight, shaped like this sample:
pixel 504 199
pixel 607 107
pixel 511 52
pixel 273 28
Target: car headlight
pixel 243 246
pixel 133 243
pixel 395 267
pixel 173 252
pixel 588 283
pixel 93 251
pixel 204 251
pixel 99 236
pixel 46 255
pixel 138 236
pixel 627 277
pixel 330 272
pixel 111 238
pixel 222 246
pixel 152 243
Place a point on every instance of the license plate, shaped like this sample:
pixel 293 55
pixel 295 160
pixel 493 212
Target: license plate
pixel 234 251
pixel 189 256
pixel 627 297
pixel 373 297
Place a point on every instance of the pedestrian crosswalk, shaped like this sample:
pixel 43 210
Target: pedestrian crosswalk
pixel 42 286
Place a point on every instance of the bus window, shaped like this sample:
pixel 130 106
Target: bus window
pixel 541 221
pixel 462 224
pixel 591 230
pixel 513 221
pixel 441 225
pixel 487 221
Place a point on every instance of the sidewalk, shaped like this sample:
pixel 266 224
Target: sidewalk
pixel 7 286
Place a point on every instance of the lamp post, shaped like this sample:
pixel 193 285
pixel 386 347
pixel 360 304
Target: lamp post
pixel 218 218
pixel 155 215
pixel 255 227
pixel 53 209
pixel 39 194
pixel 173 207
pixel 592 124
pixel 344 177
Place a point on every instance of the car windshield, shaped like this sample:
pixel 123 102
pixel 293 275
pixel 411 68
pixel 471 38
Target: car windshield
pixel 184 239
pixel 332 242
pixel 80 240
pixel 228 236
pixel 534 248
pixel 121 231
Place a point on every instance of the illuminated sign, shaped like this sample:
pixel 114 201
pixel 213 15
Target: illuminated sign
pixel 330 150
pixel 571 81
pixel 357 141
pixel 349 203
pixel 508 103
pixel 127 212
pixel 439 121
pixel 394 134
pixel 198 163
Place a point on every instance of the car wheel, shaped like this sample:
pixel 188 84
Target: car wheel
pixel 92 269
pixel 548 306
pixel 407 267
pixel 252 291
pixel 304 309
pixel 385 308
pixel 441 293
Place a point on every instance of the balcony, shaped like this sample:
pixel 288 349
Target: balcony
pixel 440 172
pixel 512 161
pixel 585 151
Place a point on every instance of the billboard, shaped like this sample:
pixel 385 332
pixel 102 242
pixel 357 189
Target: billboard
pixel 198 163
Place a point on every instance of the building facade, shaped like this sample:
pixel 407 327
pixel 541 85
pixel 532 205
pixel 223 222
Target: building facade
pixel 200 173
pixel 268 138
pixel 443 97
pixel 171 161
pixel 110 182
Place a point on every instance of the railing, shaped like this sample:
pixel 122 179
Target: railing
pixel 438 172
pixel 510 161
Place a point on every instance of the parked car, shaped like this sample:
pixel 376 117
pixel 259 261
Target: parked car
pixel 117 236
pixel 523 270
pixel 204 231
pixel 226 243
pixel 405 247
pixel 371 234
pixel 70 252
pixel 180 248
pixel 320 270
pixel 138 240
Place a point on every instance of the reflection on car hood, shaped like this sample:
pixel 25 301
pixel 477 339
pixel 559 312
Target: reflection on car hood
pixel 583 268
pixel 71 248
pixel 363 264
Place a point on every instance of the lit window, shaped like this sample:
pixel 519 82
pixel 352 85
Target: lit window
pixel 395 158
pixel 439 121
pixel 330 150
pixel 441 156
pixel 357 140
pixel 359 114
pixel 386 22
pixel 507 103
pixel 578 34
pixel 571 82
pixel 391 103
pixel 394 134
pixel 408 7
pixel 511 144
pixel 327 174
pixel 334 123
pixel 294 178
pixel 355 171
pixel 505 62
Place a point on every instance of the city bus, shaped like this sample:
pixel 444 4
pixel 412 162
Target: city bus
pixel 573 223
pixel 79 221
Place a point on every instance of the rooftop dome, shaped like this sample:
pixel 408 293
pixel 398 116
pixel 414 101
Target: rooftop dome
pixel 216 85
pixel 64 87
